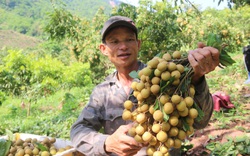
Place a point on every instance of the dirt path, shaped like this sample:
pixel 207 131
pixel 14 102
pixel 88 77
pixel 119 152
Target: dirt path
pixel 202 137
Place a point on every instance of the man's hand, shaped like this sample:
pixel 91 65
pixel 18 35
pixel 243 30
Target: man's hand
pixel 203 60
pixel 122 144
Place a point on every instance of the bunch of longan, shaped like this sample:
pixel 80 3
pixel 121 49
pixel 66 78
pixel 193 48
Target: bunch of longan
pixel 166 109
pixel 33 147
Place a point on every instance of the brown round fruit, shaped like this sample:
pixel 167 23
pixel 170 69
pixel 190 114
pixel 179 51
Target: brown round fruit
pixel 158 115
pixel 162 136
pixel 128 104
pixel 176 54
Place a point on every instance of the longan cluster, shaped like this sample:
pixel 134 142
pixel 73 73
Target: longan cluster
pixel 33 147
pixel 165 113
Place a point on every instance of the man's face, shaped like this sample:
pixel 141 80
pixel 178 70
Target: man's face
pixel 121 47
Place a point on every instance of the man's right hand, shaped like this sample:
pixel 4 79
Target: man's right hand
pixel 122 144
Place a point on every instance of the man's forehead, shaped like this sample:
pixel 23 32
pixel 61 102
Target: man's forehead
pixel 127 32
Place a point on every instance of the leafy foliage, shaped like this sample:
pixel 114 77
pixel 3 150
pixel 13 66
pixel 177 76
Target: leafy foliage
pixel 239 145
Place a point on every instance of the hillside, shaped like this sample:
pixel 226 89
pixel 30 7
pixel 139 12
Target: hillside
pixel 29 16
pixel 9 38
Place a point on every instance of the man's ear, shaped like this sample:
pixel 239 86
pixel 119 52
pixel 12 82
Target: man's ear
pixel 102 48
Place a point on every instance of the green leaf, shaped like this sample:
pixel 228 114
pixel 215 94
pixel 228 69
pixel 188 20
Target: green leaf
pixel 200 112
pixel 134 74
pixel 4 147
pixel 156 106
pixel 186 127
pixel 41 147
pixel 165 116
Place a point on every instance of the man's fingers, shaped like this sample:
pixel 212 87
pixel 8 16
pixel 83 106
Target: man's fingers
pixel 201 45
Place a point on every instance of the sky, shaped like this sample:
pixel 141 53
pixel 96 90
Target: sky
pixel 203 3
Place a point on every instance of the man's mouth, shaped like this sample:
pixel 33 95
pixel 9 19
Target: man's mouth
pixel 124 55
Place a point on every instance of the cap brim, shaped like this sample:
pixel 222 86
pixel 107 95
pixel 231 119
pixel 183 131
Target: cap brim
pixel 116 24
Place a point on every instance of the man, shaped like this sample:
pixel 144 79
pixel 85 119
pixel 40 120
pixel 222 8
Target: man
pixel 121 45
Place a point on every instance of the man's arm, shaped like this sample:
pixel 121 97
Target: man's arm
pixel 84 132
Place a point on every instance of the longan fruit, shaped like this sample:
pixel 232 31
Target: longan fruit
pixel 28 140
pixel 53 151
pixel 176 99
pixel 28 151
pixel 163 149
pixel 173 120
pixel 165 126
pixel 52 140
pixel 176 74
pixel 180 68
pixel 147 136
pixel 176 82
pixel 158 115
pixel 181 135
pixel 144 108
pixel 131 132
pixel 162 136
pixel 151 109
pixel 19 142
pixel 153 63
pixel 150 150
pixel 147 71
pixel 192 91
pixel 173 131
pixel 189 101
pixel 153 141
pixel 169 143
pixel 181 106
pixel 157 72
pixel 156 128
pixel 155 80
pixel 138 138
pixel 165 75
pixel 133 85
pixel 168 108
pixel 184 113
pixel 190 131
pixel 193 113
pixel 145 93
pixel 176 55
pixel 45 153
pixel 140 86
pixel 167 57
pixel 128 104
pixel 164 98
pixel 171 66
pixel 155 89
pixel 35 151
pixel 46 140
pixel 139 97
pixel 126 115
pixel 162 66
pixel 190 121
pixel 177 143
pixel 140 118
pixel 157 153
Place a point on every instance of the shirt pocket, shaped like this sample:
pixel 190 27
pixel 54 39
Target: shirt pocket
pixel 113 113
pixel 113 120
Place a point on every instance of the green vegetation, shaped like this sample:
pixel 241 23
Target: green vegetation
pixel 45 83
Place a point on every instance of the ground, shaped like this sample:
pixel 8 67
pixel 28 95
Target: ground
pixel 202 137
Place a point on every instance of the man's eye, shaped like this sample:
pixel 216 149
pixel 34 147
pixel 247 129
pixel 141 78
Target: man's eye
pixel 131 39
pixel 114 42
